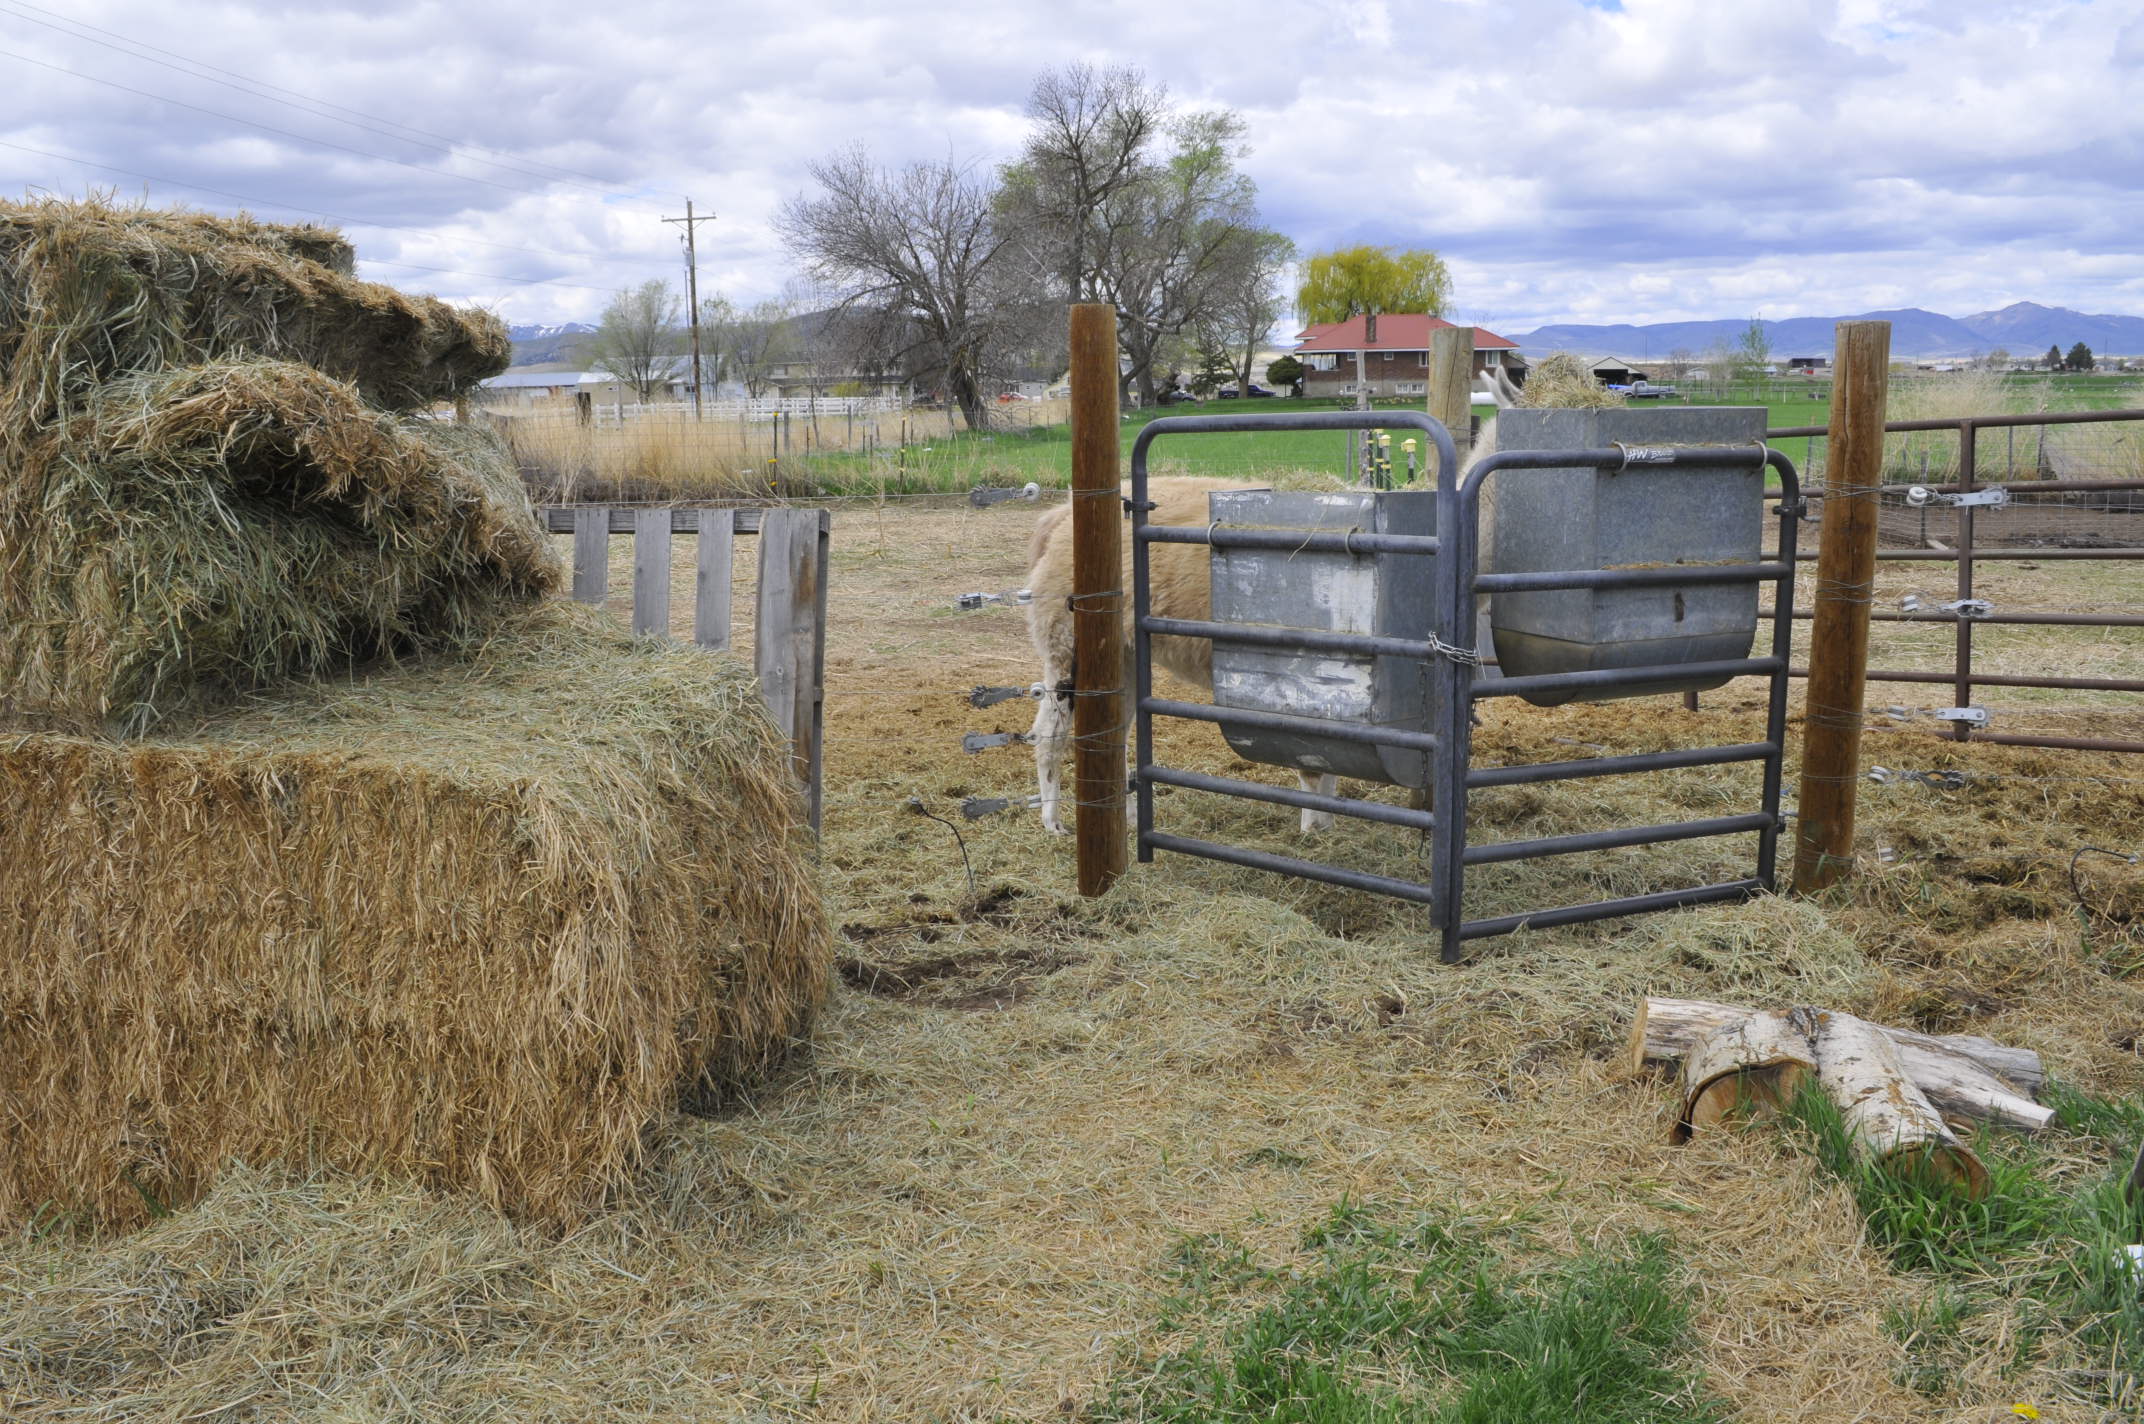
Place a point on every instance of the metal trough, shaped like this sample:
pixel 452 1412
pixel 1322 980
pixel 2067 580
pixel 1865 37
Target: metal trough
pixel 1325 590
pixel 1642 516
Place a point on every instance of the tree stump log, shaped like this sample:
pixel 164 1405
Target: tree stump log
pixel 1965 1077
pixel 1756 1063
pixel 1890 1120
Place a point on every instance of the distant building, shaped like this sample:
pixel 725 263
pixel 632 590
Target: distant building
pixel 1615 371
pixel 540 387
pixel 1395 350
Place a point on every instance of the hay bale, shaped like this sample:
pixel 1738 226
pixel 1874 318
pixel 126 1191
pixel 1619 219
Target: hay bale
pixel 201 530
pixel 92 290
pixel 476 921
pixel 1563 381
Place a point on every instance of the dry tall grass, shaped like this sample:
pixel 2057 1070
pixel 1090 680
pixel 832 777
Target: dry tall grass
pixel 667 456
pixel 1932 456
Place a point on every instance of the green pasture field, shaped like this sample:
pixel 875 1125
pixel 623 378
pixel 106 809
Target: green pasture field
pixel 954 463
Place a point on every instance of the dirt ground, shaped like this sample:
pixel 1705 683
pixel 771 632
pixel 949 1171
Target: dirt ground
pixel 958 1202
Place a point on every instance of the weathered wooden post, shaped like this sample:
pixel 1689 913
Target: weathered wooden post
pixel 1451 388
pixel 1098 601
pixel 789 649
pixel 1845 580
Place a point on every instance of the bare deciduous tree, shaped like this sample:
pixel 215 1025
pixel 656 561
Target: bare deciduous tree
pixel 748 343
pixel 924 249
pixel 1178 242
pixel 1251 300
pixel 638 340
pixel 1091 132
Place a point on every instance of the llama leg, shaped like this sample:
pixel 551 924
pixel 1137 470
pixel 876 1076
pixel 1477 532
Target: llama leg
pixel 1053 730
pixel 1325 784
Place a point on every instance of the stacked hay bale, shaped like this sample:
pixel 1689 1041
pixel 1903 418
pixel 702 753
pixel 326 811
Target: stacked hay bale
pixel 327 835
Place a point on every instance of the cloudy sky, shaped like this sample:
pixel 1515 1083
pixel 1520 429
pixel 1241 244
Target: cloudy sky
pixel 1591 161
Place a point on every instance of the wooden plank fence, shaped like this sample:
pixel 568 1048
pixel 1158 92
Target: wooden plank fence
pixel 789 620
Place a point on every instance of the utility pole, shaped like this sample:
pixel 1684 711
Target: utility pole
pixel 692 292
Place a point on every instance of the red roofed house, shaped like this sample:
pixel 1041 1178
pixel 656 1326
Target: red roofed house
pixel 1395 350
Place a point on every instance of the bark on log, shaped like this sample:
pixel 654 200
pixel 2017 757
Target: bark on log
pixel 1890 1120
pixel 1756 1063
pixel 1666 1028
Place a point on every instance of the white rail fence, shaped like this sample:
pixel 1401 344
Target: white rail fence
pixel 767 408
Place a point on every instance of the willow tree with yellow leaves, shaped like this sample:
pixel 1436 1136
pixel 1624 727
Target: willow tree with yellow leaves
pixel 1367 282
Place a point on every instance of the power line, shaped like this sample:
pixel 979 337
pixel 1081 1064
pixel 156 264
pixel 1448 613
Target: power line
pixel 319 213
pixel 270 128
pixel 261 89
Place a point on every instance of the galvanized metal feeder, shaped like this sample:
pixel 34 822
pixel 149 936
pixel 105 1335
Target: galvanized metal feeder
pixel 1643 516
pixel 1328 591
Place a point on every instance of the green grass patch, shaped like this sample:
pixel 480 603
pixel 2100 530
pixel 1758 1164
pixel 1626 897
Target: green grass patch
pixel 1380 1318
pixel 2045 1244
pixel 953 462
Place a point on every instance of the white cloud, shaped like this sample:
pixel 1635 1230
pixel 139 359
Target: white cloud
pixel 1661 160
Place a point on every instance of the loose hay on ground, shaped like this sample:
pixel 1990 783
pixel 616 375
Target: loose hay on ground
pixel 963 1214
pixel 478 921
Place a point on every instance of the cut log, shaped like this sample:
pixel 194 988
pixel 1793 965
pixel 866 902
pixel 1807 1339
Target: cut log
pixel 1666 1029
pixel 1891 1121
pixel 1755 1063
pixel 1961 1089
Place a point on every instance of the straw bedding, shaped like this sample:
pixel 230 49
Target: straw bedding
pixel 476 920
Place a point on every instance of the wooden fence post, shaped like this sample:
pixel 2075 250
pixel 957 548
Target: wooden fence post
pixel 789 643
pixel 591 554
pixel 1451 390
pixel 711 585
pixel 1845 581
pixel 1098 601
pixel 651 571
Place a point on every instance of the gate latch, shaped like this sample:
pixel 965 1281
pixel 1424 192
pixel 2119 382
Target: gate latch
pixel 1969 716
pixel 1970 608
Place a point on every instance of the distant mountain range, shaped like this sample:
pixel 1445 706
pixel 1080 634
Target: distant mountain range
pixel 549 347
pixel 539 333
pixel 2023 329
